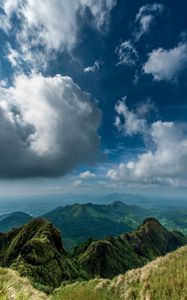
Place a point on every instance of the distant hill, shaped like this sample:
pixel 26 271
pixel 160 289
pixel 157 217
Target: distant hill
pixel 176 219
pixel 162 279
pixel 115 255
pixel 79 222
pixel 13 220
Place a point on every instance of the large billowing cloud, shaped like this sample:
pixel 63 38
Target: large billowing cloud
pixel 164 161
pixel 48 125
pixel 166 64
pixel 51 25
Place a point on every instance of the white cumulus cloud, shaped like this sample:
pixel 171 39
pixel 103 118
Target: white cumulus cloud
pixel 51 25
pixel 48 125
pixel 130 122
pixel 165 159
pixel 77 183
pixel 87 175
pixel 166 64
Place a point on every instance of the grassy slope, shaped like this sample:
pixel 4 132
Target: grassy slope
pixel 112 256
pixel 36 251
pixel 12 286
pixel 164 279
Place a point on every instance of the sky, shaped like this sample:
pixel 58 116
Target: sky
pixel 93 97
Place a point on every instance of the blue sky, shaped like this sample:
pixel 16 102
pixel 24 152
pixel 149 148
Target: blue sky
pixel 93 97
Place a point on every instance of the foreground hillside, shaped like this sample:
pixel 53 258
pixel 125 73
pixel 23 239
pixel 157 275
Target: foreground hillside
pixel 12 286
pixel 163 279
pixel 36 251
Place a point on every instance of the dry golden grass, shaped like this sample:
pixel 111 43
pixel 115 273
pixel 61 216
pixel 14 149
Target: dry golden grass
pixel 163 279
pixel 12 286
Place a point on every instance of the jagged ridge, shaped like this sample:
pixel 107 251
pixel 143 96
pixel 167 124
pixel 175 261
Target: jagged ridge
pixel 36 251
pixel 115 255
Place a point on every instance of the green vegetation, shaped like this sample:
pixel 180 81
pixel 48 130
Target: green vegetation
pixel 132 220
pixel 114 255
pixel 36 251
pixel 13 220
pixel 174 220
pixel 12 286
pixel 164 279
pixel 80 222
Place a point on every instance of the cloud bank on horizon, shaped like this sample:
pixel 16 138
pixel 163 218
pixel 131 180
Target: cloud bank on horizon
pixel 65 64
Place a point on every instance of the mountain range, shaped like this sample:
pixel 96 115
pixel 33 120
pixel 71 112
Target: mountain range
pixel 36 251
pixel 79 222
